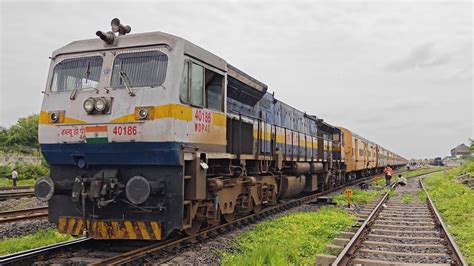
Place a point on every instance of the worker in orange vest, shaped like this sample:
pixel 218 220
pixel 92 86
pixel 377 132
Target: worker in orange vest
pixel 388 174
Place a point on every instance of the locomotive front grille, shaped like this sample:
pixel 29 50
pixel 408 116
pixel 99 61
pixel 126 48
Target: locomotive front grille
pixel 111 229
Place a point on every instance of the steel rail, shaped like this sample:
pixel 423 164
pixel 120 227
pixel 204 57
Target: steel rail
pixel 24 214
pixel 344 257
pixel 9 195
pixel 141 252
pixel 16 188
pixel 20 257
pixel 452 246
pixel 133 255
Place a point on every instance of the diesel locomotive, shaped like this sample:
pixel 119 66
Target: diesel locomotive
pixel 149 134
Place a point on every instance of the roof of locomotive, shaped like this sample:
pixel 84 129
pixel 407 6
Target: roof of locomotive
pixel 161 38
pixel 143 40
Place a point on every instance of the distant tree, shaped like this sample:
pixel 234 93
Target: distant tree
pixel 22 136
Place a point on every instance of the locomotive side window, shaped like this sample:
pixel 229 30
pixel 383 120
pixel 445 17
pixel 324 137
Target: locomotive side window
pixel 183 91
pixel 202 87
pixel 214 85
pixel 76 74
pixel 197 85
pixel 141 69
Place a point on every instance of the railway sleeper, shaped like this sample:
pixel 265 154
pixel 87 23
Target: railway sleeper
pixel 393 253
pixel 404 227
pixel 428 239
pixel 369 262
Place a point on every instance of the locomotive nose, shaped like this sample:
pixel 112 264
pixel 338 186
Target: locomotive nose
pixel 44 189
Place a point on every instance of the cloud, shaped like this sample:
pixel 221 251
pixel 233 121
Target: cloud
pixel 420 57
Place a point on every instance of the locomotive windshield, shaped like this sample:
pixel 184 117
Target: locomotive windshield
pixel 76 74
pixel 141 69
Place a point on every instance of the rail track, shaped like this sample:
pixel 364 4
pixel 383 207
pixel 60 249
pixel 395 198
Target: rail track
pixel 16 195
pixel 397 230
pixel 2 189
pixel 141 255
pixel 16 192
pixel 25 214
pixel 107 252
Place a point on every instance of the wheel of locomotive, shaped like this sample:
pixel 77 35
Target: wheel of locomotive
pixel 229 217
pixel 196 225
pixel 256 208
pixel 218 216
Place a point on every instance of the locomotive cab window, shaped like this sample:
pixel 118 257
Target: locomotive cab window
pixel 202 87
pixel 76 74
pixel 140 69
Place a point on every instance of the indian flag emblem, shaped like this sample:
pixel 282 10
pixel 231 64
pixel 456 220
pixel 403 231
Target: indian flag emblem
pixel 96 134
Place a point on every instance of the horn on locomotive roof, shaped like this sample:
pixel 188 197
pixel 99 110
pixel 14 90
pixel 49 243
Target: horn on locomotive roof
pixel 109 37
pixel 117 27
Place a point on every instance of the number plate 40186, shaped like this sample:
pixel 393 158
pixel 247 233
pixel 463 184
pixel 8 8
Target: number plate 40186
pixel 124 132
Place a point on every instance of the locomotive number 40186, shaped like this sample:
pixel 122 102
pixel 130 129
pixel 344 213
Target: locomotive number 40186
pixel 125 130
pixel 202 121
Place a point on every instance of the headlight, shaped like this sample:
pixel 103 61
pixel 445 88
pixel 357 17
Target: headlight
pixel 54 116
pixel 143 113
pixel 89 105
pixel 100 105
pixel 44 189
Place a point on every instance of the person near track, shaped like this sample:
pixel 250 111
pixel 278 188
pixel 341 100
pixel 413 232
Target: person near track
pixel 388 174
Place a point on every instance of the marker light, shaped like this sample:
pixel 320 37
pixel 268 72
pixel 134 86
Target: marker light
pixel 100 105
pixel 54 116
pixel 143 113
pixel 89 105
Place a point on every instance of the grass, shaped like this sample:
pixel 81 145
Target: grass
pixel 421 195
pixel 38 239
pixel 5 182
pixel 455 203
pixel 407 198
pixel 292 239
pixel 358 197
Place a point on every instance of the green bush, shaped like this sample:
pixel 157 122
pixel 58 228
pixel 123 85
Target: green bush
pixel 5 171
pixel 21 137
pixel 28 171
pixel 25 171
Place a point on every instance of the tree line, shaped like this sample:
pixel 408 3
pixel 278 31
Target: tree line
pixel 21 137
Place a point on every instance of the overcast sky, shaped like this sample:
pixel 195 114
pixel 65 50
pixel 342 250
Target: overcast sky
pixel 397 73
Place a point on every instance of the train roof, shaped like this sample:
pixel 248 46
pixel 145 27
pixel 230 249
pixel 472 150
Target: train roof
pixel 143 40
pixel 239 80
